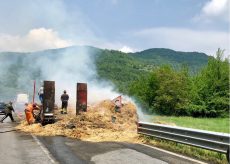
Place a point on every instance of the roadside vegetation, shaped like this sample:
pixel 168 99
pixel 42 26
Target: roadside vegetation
pixel 193 152
pixel 170 92
pixel 210 124
pixel 179 96
pixel 124 69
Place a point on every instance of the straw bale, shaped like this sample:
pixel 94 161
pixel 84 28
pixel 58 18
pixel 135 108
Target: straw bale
pixel 94 125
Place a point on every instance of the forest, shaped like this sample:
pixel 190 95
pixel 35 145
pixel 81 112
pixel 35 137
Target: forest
pixel 168 91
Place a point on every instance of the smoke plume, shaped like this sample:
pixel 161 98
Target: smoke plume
pixel 73 65
pixel 66 66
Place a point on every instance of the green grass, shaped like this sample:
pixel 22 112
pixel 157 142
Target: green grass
pixel 194 152
pixel 210 124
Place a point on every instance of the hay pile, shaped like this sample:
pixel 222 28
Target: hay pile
pixel 99 123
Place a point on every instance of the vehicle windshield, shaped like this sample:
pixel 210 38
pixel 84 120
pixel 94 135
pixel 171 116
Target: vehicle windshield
pixel 2 105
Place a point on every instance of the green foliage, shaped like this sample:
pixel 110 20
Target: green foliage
pixel 118 67
pixel 212 89
pixel 123 69
pixel 144 89
pixel 194 152
pixel 161 56
pixel 161 89
pixel 165 91
pixel 211 124
pixel 172 94
pixel 171 91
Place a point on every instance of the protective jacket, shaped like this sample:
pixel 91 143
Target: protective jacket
pixel 64 97
pixel 29 114
pixel 9 108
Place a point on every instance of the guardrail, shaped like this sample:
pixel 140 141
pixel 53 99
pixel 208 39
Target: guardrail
pixel 214 141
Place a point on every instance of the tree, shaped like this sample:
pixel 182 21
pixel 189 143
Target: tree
pixel 212 87
pixel 172 94
pixel 144 89
pixel 164 91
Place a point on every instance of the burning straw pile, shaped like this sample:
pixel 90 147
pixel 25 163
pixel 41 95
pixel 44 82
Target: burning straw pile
pixel 100 123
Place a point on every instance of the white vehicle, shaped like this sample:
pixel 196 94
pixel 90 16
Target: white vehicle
pixel 21 99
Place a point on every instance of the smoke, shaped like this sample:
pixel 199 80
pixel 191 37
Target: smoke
pixel 66 67
pixel 73 65
pixel 142 116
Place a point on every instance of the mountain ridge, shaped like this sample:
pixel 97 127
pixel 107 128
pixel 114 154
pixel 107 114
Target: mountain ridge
pixel 112 65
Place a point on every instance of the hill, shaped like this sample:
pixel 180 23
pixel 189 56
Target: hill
pixel 18 69
pixel 159 56
pixel 122 68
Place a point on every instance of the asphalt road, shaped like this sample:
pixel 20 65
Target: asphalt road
pixel 20 148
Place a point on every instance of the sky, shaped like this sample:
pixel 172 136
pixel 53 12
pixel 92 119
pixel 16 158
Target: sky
pixel 125 25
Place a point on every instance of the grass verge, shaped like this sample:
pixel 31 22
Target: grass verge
pixel 190 151
pixel 210 124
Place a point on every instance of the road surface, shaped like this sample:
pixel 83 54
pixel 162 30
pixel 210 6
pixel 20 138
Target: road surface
pixel 21 148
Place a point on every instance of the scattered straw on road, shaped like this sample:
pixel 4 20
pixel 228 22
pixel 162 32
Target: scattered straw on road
pixel 99 123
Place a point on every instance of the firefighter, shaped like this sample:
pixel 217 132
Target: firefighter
pixel 36 113
pixel 64 99
pixel 117 106
pixel 8 112
pixel 41 93
pixel 29 111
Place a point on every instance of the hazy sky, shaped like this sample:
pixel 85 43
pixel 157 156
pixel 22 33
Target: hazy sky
pixel 127 25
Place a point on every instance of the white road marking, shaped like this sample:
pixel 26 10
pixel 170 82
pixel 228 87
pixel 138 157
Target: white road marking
pixel 178 155
pixel 45 150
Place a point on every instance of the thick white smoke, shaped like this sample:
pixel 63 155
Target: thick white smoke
pixel 66 67
pixel 78 65
pixel 72 66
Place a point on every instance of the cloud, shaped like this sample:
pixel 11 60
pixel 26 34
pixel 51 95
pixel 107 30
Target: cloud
pixel 126 49
pixel 34 40
pixel 215 10
pixel 183 39
pixel 42 39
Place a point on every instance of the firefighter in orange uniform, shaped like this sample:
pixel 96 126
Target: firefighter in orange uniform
pixel 29 113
